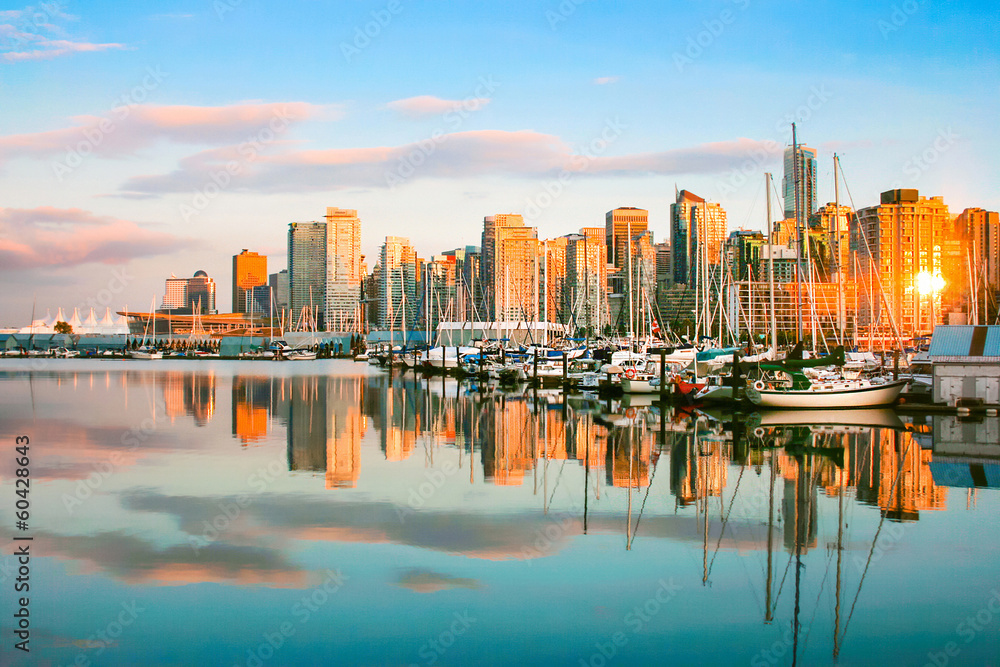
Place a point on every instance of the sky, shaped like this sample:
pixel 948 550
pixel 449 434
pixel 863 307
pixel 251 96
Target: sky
pixel 149 139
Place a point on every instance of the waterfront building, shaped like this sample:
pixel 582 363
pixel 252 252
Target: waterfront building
pixel 509 265
pixel 468 283
pixel 979 233
pixel 895 245
pixel 586 279
pixel 343 269
pixel 698 229
pixel 278 282
pixel 201 294
pixel 830 229
pixel 398 284
pixel 174 293
pixel 307 248
pixel 620 226
pixel 249 271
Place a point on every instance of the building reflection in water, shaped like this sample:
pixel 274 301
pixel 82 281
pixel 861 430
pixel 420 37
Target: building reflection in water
pixel 325 426
pixel 326 419
pixel 189 394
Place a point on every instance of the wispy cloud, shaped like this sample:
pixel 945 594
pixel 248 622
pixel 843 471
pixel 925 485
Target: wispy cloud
pixel 36 34
pixel 520 154
pixel 605 80
pixel 127 129
pixel 46 237
pixel 428 105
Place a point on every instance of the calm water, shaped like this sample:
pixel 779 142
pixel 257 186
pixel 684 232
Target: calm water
pixel 256 513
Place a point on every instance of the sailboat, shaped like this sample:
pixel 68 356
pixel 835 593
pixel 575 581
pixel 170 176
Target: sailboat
pixel 146 351
pixel 803 393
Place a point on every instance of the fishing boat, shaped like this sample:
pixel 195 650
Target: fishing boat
pixel 802 392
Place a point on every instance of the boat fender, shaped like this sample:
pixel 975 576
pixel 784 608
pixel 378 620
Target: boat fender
pixel 630 374
pixel 759 385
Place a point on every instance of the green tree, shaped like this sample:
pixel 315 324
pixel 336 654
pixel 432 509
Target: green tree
pixel 63 328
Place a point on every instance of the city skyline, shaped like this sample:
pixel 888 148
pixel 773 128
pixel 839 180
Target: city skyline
pixel 155 160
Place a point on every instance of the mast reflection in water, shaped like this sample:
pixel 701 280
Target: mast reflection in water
pixel 544 523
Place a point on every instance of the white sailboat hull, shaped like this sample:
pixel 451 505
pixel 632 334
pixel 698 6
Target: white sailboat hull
pixel 849 394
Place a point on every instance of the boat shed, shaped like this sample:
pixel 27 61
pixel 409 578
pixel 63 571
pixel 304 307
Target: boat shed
pixel 966 365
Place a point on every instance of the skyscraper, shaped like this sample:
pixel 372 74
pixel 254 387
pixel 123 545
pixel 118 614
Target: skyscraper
pixel 201 294
pixel 698 229
pixel 307 273
pixel 587 278
pixel 278 282
pixel 343 269
pixel 618 224
pixel 510 258
pixel 892 244
pixel 398 284
pixel 249 271
pixel 807 182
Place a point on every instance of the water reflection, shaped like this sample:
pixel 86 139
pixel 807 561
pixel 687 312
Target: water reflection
pixel 354 466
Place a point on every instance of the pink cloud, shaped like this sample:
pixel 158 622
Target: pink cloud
pixel 525 154
pixel 53 237
pixel 605 80
pixel 127 129
pixel 428 105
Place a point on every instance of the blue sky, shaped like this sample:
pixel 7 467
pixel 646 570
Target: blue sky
pixel 465 109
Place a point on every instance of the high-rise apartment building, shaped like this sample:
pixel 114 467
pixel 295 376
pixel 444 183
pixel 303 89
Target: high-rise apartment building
pixel 398 285
pixel 174 293
pixel 201 294
pixel 190 295
pixel 698 231
pixel 307 248
pixel 587 279
pixel 468 284
pixel 806 181
pixel 554 307
pixel 249 271
pixel 893 243
pixel 278 282
pixel 831 226
pixel 343 269
pixel 510 261
pixel 620 225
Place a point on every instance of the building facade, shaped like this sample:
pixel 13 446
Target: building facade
pixel 509 264
pixel 343 269
pixel 249 271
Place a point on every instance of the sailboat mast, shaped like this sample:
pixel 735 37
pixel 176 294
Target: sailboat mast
pixel 798 232
pixel 841 315
pixel 770 265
